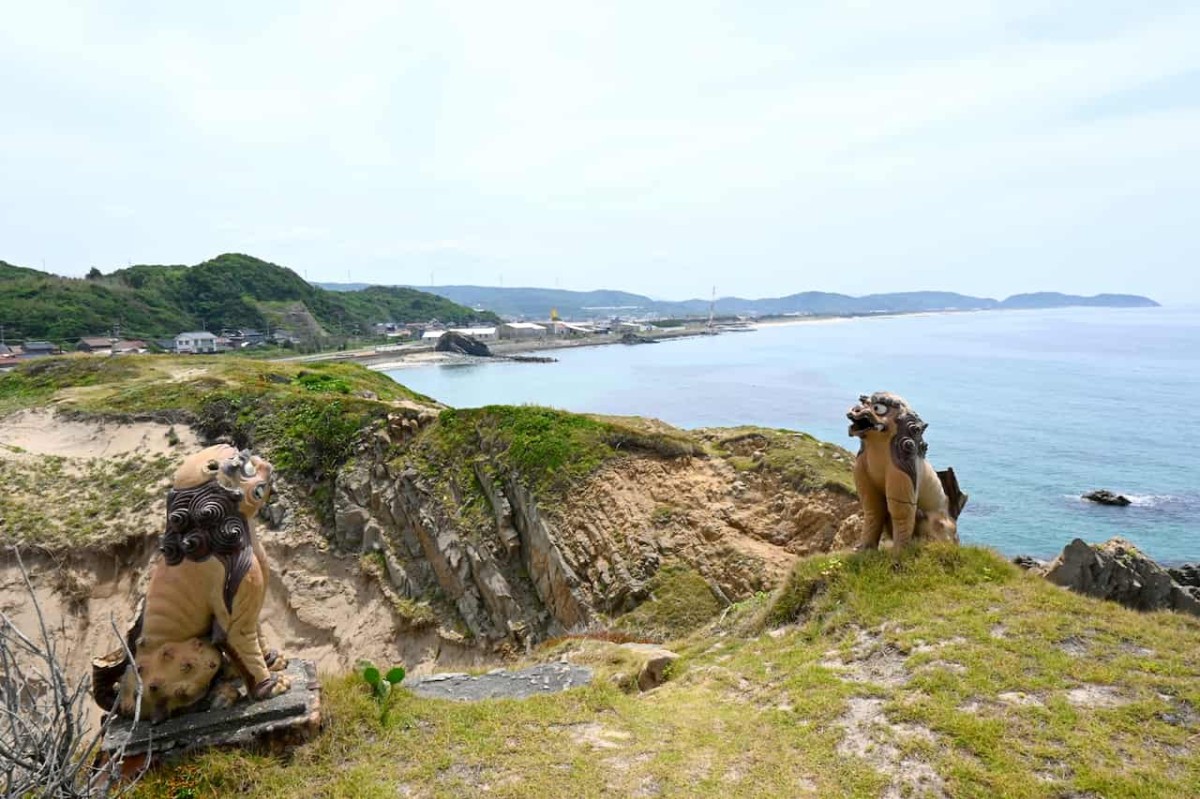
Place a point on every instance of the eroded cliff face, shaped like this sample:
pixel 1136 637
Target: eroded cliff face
pixel 517 569
pixel 438 564
pixel 509 584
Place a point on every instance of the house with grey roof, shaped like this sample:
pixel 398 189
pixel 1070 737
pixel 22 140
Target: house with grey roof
pixel 38 349
pixel 196 341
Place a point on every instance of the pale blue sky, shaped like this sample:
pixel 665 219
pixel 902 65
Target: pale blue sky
pixel 766 148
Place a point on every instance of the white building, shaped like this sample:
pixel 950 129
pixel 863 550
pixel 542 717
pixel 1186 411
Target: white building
pixel 522 330
pixel 481 333
pixel 196 341
pixel 560 328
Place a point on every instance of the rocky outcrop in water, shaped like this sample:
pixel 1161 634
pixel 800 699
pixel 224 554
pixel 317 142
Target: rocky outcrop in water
pixel 1105 497
pixel 1117 571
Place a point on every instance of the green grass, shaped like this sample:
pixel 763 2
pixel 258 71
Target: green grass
pixel 800 460
pixel 680 601
pixel 58 504
pixel 758 709
pixel 551 450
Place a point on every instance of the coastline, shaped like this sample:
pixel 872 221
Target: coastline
pixel 416 354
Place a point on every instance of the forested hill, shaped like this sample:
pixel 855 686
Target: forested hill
pixel 538 302
pixel 231 290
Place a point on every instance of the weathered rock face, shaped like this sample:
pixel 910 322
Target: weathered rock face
pixel 1117 571
pixel 518 572
pixel 451 341
pixel 1187 575
pixel 511 586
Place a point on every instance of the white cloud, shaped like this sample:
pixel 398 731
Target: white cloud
pixel 648 146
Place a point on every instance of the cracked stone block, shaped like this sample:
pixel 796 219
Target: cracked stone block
pixel 289 718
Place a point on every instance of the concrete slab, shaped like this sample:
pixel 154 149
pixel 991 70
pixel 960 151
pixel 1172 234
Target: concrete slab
pixel 289 718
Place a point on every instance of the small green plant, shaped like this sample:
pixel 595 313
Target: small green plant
pixel 662 515
pixel 322 382
pixel 382 686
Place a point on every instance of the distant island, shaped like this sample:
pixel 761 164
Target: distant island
pixel 538 302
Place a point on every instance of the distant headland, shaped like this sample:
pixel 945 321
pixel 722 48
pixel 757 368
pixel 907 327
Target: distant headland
pixel 537 302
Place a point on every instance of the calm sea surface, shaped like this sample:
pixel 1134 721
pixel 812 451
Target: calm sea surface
pixel 1031 408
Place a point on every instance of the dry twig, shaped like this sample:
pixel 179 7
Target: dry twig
pixel 45 748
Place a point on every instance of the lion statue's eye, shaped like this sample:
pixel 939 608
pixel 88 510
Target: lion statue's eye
pixel 880 409
pixel 248 469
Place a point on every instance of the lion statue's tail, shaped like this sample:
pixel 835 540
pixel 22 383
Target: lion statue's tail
pixel 108 670
pixel 954 494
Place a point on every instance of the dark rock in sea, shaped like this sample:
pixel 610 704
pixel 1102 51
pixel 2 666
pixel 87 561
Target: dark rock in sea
pixel 1105 497
pixel 462 344
pixel 1117 571
pixel 1188 574
pixel 634 338
pixel 1028 562
pixel 532 359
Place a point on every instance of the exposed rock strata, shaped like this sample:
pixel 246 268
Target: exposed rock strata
pixel 523 572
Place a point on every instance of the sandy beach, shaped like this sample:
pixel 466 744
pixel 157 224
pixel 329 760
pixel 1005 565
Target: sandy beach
pixel 414 354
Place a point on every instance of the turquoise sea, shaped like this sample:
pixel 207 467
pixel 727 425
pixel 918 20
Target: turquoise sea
pixel 1031 408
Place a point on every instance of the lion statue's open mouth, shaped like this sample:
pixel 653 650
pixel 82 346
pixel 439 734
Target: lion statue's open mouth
pixel 862 418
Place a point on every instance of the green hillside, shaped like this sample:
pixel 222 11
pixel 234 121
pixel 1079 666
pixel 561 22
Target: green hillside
pixel 231 290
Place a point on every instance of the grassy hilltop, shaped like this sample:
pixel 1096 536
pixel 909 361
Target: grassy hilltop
pixel 231 290
pixel 946 673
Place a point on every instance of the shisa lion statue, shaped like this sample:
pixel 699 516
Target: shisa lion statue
pixel 899 490
pixel 198 633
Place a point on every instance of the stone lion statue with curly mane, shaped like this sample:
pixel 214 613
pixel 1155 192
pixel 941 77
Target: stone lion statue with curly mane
pixel 899 490
pixel 197 635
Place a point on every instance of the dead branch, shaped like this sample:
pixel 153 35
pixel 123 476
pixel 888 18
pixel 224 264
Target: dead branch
pixel 45 748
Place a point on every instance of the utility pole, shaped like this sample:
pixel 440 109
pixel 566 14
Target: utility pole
pixel 1 334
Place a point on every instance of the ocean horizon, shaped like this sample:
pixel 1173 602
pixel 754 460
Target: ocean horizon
pixel 1031 408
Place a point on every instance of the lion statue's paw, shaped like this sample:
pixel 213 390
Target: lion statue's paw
pixel 224 694
pixel 275 660
pixel 274 685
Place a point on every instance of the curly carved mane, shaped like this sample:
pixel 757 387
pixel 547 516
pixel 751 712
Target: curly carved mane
pixel 908 445
pixel 203 522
